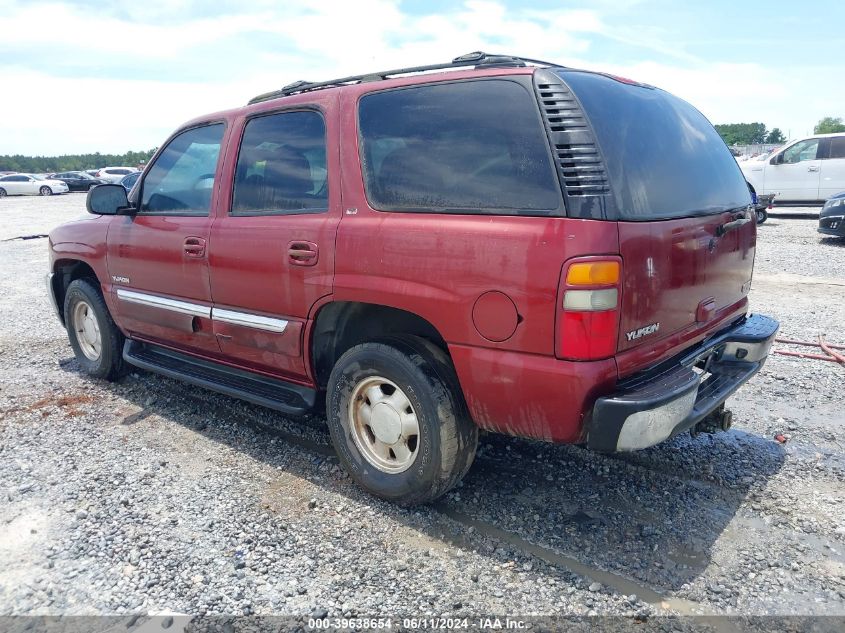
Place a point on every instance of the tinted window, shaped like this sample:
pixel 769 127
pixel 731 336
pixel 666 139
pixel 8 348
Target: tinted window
pixel 282 165
pixel 664 159
pixel 181 179
pixel 805 150
pixel 457 148
pixel 837 147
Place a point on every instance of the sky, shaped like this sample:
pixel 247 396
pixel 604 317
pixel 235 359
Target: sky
pixel 112 75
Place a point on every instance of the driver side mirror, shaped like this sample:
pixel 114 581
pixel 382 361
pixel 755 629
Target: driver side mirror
pixel 108 200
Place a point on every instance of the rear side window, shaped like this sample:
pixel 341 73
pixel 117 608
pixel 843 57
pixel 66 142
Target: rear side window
pixel 837 147
pixel 664 159
pixel 282 165
pixel 459 147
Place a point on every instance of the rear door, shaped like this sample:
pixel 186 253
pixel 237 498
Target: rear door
pixel 794 173
pixel 158 258
pixel 832 179
pixel 686 236
pixel 272 247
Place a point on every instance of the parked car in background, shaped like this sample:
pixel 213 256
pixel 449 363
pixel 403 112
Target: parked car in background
pixel 503 266
pixel 810 170
pixel 30 185
pixel 832 216
pixel 92 172
pixel 114 174
pixel 77 180
pixel 129 181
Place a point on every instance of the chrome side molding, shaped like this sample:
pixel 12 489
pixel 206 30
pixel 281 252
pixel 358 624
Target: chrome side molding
pixel 249 320
pixel 232 317
pixel 183 307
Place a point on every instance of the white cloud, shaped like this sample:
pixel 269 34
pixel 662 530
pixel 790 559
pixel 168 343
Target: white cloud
pixel 266 44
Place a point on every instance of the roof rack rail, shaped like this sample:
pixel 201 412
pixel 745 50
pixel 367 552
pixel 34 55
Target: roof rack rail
pixel 478 59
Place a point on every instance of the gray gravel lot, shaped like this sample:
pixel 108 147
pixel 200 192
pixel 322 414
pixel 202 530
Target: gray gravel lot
pixel 150 496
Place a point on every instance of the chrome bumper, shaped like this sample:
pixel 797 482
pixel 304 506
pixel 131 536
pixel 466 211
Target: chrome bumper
pixel 668 399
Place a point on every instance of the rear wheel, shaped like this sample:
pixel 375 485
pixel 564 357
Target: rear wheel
pixel 398 420
pixel 95 339
pixel 762 216
pixel 2 193
pixel 45 191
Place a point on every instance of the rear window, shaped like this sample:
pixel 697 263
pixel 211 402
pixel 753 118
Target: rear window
pixel 664 158
pixel 458 147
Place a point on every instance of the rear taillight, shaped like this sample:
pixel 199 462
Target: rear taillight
pixel 588 308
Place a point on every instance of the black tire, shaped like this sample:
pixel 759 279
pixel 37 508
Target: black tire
pixel 447 436
pixel 762 215
pixel 109 365
pixel 2 192
pixel 45 191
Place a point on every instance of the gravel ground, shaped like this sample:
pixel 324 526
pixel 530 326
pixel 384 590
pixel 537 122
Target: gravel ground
pixel 149 497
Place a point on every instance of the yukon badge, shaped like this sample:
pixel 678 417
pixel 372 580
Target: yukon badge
pixel 119 279
pixel 633 335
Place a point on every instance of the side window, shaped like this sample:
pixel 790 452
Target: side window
pixel 282 165
pixel 837 147
pixel 458 147
pixel 181 180
pixel 805 150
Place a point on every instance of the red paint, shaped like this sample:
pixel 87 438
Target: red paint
pixel 490 285
pixel 494 316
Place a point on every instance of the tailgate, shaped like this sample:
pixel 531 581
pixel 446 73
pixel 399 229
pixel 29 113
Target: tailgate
pixel 681 275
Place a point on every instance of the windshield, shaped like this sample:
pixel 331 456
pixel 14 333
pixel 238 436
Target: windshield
pixel 664 158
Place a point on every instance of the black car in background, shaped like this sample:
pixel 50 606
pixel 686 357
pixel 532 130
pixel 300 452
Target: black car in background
pixel 77 180
pixel 832 216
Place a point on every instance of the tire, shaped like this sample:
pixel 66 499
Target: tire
pixel 87 318
pixel 444 446
pixel 762 215
pixel 45 191
pixel 2 193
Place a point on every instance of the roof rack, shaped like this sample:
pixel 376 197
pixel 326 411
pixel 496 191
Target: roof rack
pixel 477 59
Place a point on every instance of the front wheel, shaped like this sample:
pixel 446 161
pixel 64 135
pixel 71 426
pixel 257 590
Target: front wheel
pixel 398 420
pixel 95 339
pixel 762 215
pixel 45 191
pixel 2 193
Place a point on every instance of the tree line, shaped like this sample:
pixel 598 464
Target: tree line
pixel 749 133
pixel 71 162
pixel 756 133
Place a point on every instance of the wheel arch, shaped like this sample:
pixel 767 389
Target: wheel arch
pixel 67 271
pixel 340 325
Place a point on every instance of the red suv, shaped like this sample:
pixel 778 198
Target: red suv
pixel 504 245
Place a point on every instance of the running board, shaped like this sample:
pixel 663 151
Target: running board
pixel 267 392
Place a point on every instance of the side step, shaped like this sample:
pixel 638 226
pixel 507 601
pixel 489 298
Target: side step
pixel 268 392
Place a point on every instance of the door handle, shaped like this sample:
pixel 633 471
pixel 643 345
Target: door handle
pixel 302 253
pixel 194 247
pixel 812 168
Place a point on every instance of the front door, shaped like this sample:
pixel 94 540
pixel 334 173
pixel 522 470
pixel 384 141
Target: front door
pixel 158 258
pixel 272 254
pixel 796 177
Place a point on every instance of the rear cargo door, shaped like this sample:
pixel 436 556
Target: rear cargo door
pixel 686 234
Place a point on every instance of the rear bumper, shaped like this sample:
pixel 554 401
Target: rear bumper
pixel 654 405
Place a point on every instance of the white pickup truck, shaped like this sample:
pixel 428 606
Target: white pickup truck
pixel 809 170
